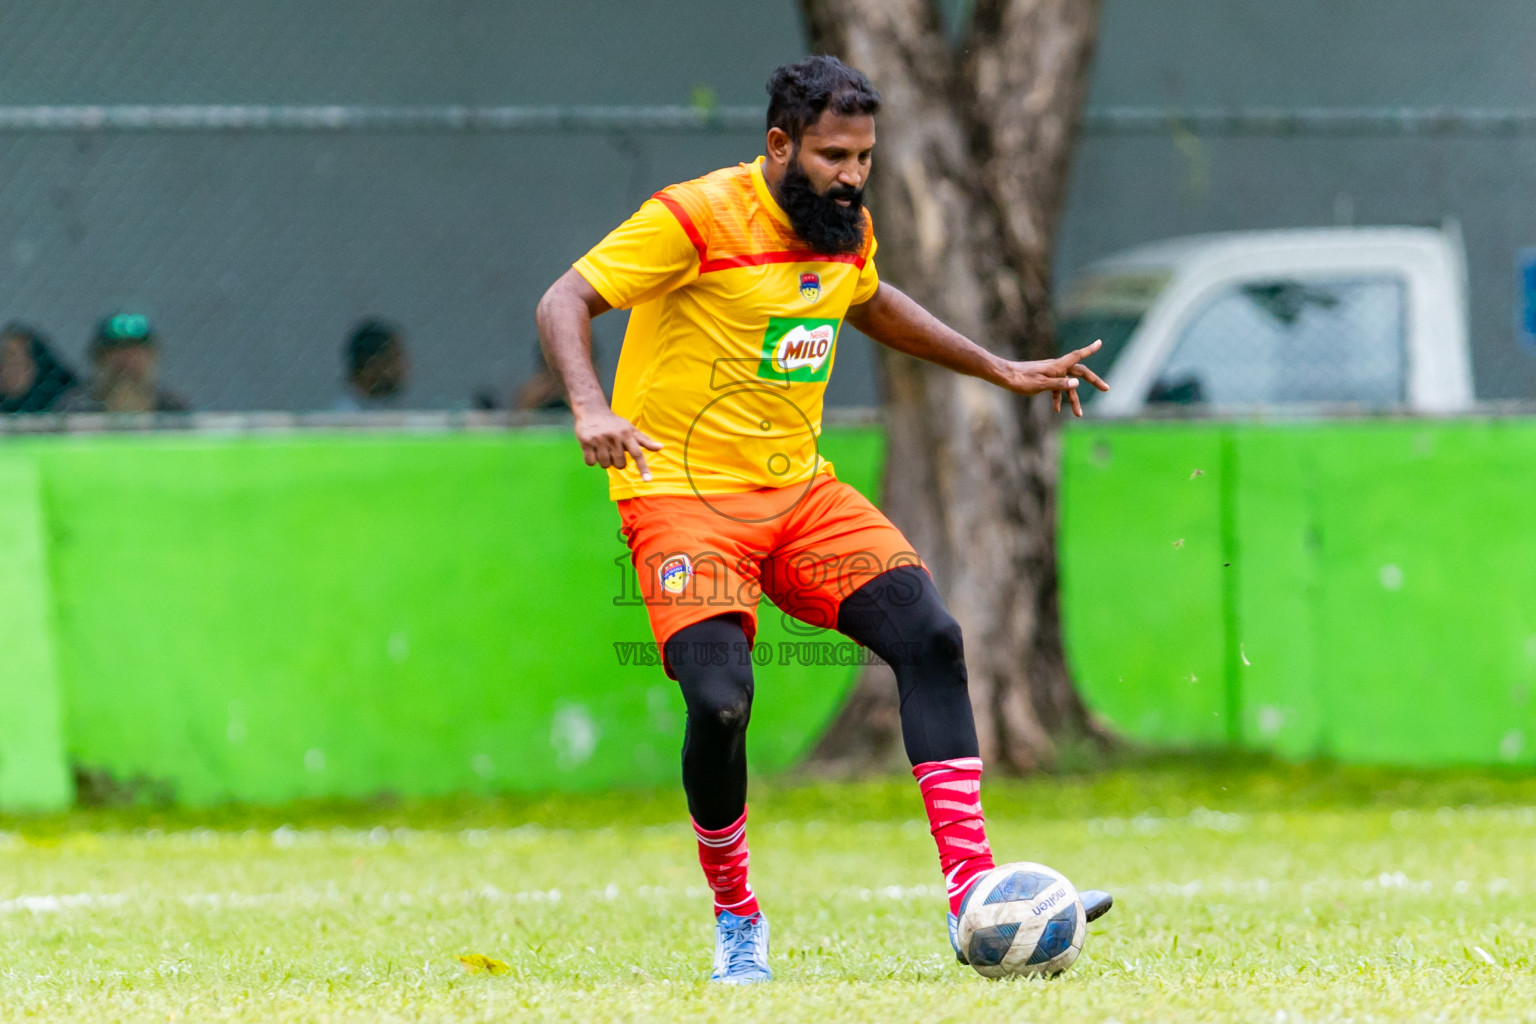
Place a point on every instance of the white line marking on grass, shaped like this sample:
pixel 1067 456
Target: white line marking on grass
pixel 1200 818
pixel 49 904
pixel 1456 817
pixel 1386 883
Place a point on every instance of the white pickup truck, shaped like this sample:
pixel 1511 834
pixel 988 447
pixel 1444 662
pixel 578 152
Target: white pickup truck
pixel 1307 321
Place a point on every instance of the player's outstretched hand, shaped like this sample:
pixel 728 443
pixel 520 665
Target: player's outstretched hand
pixel 1059 376
pixel 609 440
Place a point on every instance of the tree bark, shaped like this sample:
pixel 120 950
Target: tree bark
pixel 970 172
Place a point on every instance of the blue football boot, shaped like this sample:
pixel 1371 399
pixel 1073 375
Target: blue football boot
pixel 954 938
pixel 1096 904
pixel 741 949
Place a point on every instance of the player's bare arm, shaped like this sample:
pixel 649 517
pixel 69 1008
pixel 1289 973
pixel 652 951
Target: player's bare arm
pixel 896 320
pixel 565 317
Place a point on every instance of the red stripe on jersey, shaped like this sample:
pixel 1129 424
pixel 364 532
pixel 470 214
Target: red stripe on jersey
pixel 758 259
pixel 686 221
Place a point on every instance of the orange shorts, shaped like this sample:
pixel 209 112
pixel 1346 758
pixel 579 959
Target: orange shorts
pixel 806 547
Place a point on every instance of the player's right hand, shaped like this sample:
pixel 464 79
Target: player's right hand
pixel 609 440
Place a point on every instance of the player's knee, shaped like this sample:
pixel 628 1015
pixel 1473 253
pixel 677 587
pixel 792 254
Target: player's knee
pixel 730 715
pixel 725 704
pixel 940 644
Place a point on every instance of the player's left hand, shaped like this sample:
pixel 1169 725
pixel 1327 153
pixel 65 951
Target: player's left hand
pixel 1058 376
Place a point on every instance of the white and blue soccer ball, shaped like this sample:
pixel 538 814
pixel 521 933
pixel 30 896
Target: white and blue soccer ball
pixel 1021 919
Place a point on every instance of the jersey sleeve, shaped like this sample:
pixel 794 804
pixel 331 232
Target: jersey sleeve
pixel 869 279
pixel 645 257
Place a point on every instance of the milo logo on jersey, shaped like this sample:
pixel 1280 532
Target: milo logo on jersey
pixel 798 349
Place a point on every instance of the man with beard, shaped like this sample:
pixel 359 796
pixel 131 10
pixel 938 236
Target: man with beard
pixel 739 282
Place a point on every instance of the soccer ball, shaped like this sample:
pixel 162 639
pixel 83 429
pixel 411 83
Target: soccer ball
pixel 1021 919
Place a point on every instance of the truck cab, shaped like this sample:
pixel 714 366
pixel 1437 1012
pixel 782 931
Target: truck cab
pixel 1316 321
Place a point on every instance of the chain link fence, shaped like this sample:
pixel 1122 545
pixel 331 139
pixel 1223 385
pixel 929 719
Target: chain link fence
pixel 1143 176
pixel 256 179
pixel 253 235
pixel 253 250
pixel 1287 342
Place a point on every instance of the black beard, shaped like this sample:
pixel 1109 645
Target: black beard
pixel 825 226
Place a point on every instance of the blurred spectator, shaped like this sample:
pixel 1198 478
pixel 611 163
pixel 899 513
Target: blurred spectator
pixel 31 377
pixel 377 366
pixel 541 391
pixel 126 362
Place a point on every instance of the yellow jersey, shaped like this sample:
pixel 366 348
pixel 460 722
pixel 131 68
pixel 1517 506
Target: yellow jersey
pixel 732 335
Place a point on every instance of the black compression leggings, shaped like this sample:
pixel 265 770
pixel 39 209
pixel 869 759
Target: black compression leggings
pixel 898 615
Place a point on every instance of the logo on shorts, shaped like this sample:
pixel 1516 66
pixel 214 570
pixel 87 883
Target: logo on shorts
pixel 675 573
pixel 810 287
pixel 797 349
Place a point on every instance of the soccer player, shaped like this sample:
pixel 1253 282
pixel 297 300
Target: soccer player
pixel 738 283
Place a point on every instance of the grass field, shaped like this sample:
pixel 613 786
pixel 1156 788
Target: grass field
pixel 1246 892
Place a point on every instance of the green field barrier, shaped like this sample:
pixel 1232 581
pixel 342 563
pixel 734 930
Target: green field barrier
pixel 33 772
pixel 1359 589
pixel 262 618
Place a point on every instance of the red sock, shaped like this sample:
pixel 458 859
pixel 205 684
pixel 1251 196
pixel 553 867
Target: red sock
pixel 952 796
pixel 723 856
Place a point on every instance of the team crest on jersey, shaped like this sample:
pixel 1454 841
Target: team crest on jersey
pixel 810 287
pixel 675 573
pixel 798 349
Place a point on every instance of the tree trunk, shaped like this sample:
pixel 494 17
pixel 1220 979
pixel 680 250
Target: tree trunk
pixel 970 172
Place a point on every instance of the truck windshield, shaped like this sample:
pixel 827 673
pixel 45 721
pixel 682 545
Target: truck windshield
pixel 1108 307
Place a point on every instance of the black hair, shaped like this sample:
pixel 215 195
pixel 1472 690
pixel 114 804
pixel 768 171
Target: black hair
pixel 369 340
pixel 799 93
pixel 26 332
pixel 51 380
